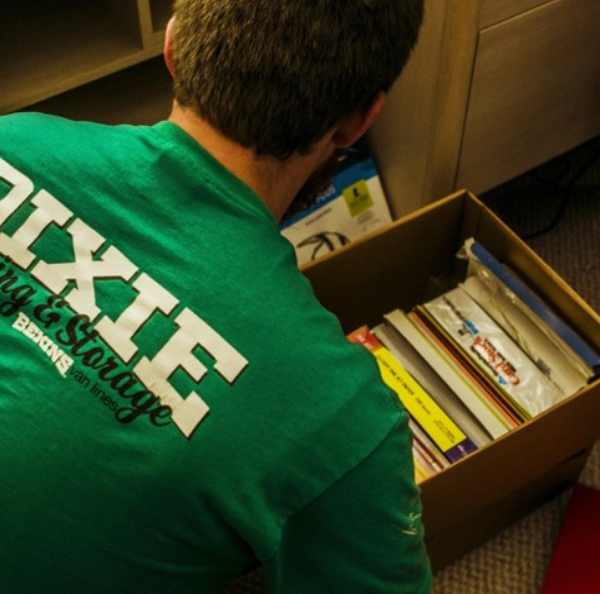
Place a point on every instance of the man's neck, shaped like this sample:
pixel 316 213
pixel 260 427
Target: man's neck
pixel 276 182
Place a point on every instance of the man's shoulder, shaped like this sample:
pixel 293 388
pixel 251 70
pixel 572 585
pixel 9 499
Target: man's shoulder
pixel 41 129
pixel 25 118
pixel 28 122
pixel 24 135
pixel 52 150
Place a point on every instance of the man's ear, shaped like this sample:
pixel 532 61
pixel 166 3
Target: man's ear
pixel 352 127
pixel 168 46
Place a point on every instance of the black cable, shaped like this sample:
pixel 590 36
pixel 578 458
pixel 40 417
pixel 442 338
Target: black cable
pixel 563 168
pixel 568 189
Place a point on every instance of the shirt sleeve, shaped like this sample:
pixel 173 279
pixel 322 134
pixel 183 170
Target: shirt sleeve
pixel 364 535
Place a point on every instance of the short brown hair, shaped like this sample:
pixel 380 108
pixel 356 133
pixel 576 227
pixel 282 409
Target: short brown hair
pixel 276 75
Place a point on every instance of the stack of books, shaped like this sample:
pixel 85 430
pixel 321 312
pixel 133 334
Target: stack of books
pixel 477 361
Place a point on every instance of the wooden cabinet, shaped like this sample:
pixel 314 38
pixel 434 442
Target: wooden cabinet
pixel 495 88
pixel 53 46
pixel 535 91
pixel 495 11
pixel 140 94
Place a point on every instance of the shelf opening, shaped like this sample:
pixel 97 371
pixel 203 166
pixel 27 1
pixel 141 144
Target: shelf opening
pixel 161 11
pixel 55 45
pixel 140 94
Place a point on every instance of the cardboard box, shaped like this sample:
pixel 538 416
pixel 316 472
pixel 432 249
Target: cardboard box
pixel 478 496
pixel 354 204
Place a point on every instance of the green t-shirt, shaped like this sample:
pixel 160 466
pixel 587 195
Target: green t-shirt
pixel 175 405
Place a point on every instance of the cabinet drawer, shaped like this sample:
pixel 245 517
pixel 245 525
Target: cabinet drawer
pixel 495 11
pixel 535 92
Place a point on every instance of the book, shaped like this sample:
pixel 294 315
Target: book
pixel 574 565
pixel 489 348
pixel 429 380
pixel 499 288
pixel 446 435
pixel 425 457
pixel 429 449
pixel 422 469
pixel 559 328
pixel 550 359
pixel 468 371
pixel 471 397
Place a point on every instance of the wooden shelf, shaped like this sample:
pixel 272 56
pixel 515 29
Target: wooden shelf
pixel 154 16
pixel 160 11
pixel 140 94
pixel 59 45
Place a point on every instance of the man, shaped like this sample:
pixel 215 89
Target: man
pixel 176 406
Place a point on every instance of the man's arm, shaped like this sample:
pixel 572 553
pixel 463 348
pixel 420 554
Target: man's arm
pixel 362 536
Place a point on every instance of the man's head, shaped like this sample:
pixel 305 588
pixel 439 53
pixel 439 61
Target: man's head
pixel 277 76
